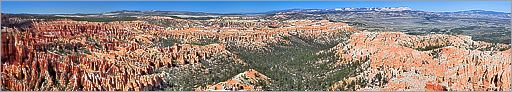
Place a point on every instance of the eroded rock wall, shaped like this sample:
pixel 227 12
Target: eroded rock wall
pixel 250 80
pixel 397 61
pixel 92 56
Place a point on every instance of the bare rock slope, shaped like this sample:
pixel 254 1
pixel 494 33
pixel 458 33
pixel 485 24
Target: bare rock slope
pixel 397 61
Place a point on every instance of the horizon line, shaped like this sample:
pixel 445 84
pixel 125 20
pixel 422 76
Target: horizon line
pixel 249 12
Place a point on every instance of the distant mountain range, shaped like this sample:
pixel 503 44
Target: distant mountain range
pixel 478 12
pixel 384 9
pixel 401 10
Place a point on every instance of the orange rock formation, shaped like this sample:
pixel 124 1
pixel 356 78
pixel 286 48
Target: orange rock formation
pixel 396 61
pixel 250 80
pixel 91 56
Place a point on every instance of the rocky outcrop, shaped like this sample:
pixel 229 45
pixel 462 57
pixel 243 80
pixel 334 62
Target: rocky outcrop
pixel 93 56
pixel 258 39
pixel 31 65
pixel 250 80
pixel 396 61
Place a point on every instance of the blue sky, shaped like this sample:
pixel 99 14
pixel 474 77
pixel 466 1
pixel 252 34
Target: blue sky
pixel 61 7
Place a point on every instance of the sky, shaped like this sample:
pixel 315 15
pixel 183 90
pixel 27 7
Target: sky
pixel 70 7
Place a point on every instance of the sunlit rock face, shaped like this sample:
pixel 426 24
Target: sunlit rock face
pixel 397 61
pixel 259 39
pixel 250 80
pixel 31 61
pixel 91 56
